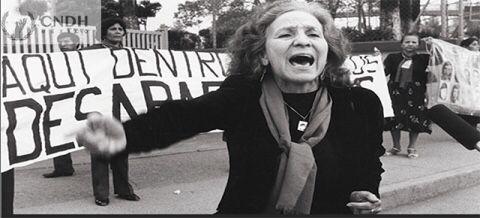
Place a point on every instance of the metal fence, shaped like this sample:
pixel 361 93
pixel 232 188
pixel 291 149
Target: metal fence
pixel 43 40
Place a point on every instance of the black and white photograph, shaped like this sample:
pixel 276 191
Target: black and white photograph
pixel 240 107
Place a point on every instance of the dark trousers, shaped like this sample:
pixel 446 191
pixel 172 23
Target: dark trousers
pixel 100 175
pixel 63 164
pixel 8 190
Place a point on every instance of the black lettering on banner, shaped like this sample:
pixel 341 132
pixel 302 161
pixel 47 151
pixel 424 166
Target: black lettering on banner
pixel 206 86
pixel 5 86
pixel 130 64
pixel 354 65
pixel 367 61
pixel 43 87
pixel 69 70
pixel 359 80
pixel 79 115
pixel 188 64
pixel 184 91
pixel 139 63
pixel 204 62
pixel 48 124
pixel 12 123
pixel 119 99
pixel 146 87
pixel 82 64
pixel 224 73
pixel 172 68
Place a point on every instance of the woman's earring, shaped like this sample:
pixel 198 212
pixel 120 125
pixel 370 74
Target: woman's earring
pixel 263 74
pixel 264 61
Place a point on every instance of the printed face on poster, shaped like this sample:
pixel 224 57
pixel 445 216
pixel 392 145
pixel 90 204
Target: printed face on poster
pixel 454 78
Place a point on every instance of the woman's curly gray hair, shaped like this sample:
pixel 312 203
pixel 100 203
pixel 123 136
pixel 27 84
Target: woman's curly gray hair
pixel 247 45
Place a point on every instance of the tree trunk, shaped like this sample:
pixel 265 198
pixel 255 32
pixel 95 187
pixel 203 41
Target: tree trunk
pixel 443 9
pixel 370 6
pixel 409 10
pixel 214 30
pixel 360 17
pixel 461 22
pixel 390 18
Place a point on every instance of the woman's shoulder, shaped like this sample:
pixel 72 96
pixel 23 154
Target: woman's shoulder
pixel 240 81
pixel 360 95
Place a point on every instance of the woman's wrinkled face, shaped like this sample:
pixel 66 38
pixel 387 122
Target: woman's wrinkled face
pixel 115 33
pixel 296 48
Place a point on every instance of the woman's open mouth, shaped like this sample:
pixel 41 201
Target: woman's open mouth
pixel 301 60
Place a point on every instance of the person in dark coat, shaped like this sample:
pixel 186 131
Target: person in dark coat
pixel 112 32
pixel 407 86
pixel 8 192
pixel 63 165
pixel 296 144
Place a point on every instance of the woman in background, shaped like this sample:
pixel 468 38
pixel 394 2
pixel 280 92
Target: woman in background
pixel 112 32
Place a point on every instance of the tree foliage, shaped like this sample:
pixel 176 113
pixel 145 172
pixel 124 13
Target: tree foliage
pixel 227 23
pixel 191 12
pixel 182 40
pixel 147 9
pixel 35 8
pixel 332 5
pixel 112 8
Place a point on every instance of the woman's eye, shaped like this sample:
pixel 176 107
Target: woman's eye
pixel 313 35
pixel 284 35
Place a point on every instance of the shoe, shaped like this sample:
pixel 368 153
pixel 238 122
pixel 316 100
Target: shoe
pixel 55 174
pixel 412 153
pixel 102 202
pixel 129 197
pixel 392 151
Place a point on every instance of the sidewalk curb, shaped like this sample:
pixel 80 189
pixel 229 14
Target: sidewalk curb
pixel 419 189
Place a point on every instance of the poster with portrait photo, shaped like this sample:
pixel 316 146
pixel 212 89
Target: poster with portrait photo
pixel 453 78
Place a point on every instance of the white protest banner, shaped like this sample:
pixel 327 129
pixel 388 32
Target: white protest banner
pixel 454 79
pixel 45 97
pixel 367 71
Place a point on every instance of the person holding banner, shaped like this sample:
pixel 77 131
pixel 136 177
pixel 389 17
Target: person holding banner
pixel 63 164
pixel 472 45
pixel 296 143
pixel 112 32
pixel 407 86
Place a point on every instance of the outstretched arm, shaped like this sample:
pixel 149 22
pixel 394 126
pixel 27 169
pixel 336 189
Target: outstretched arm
pixel 169 123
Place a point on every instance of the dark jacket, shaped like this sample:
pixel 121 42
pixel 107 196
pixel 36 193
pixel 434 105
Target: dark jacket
pixel 347 157
pixel 419 63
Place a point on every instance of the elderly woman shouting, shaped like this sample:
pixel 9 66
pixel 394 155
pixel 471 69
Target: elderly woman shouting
pixel 296 144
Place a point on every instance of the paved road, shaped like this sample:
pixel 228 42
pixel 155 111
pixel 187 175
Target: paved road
pixel 198 169
pixel 199 175
pixel 465 201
